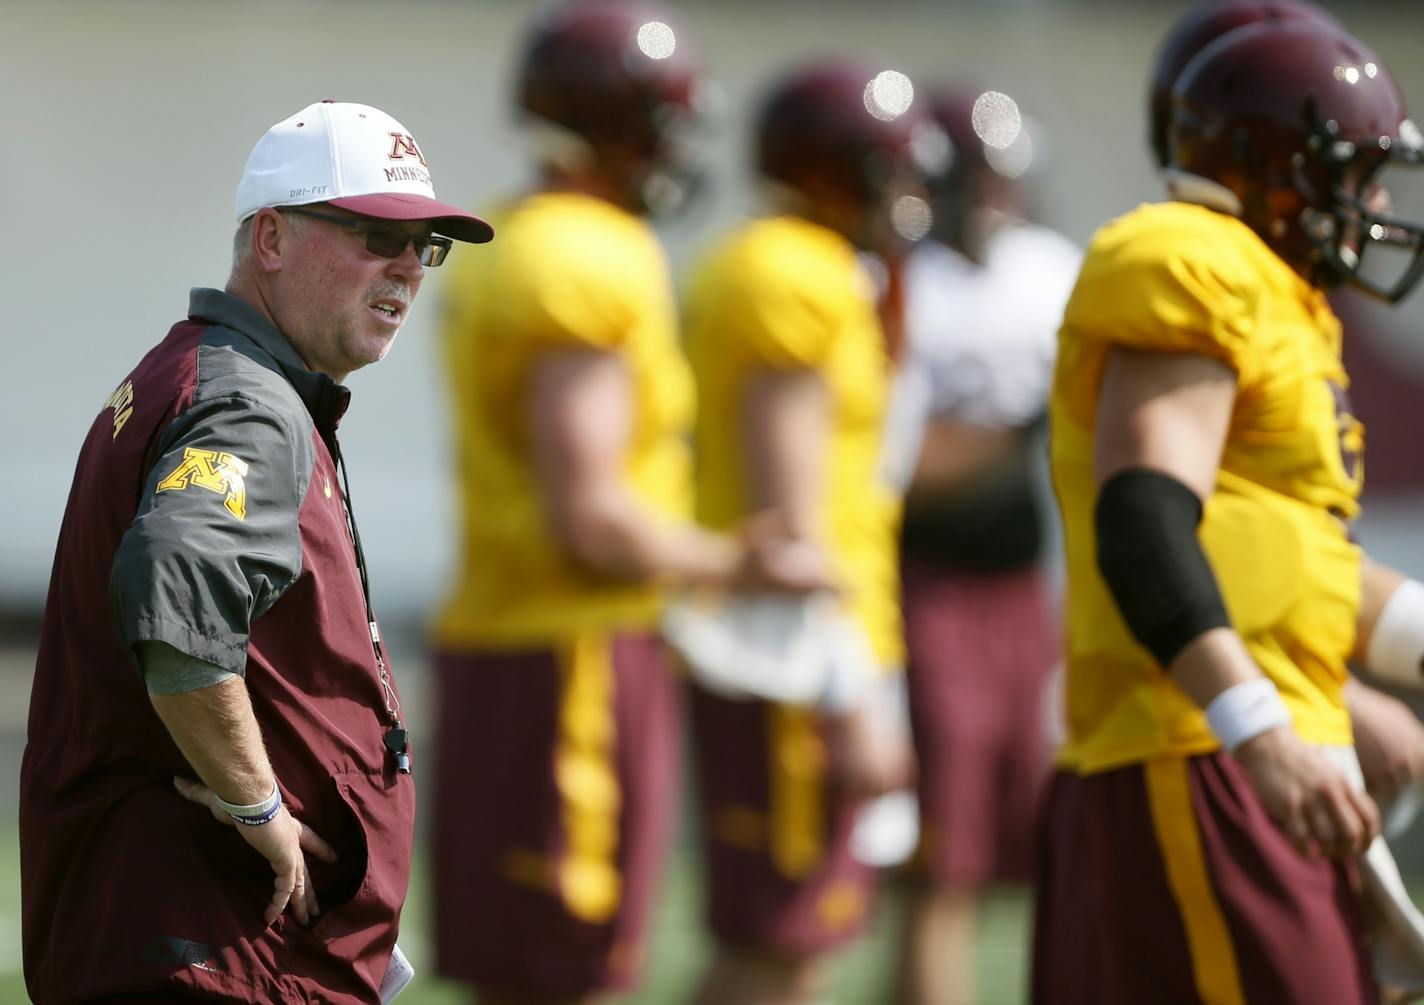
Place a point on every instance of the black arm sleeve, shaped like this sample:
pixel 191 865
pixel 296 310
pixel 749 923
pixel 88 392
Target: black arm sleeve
pixel 1150 557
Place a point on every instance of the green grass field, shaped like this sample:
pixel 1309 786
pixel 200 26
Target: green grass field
pixel 675 957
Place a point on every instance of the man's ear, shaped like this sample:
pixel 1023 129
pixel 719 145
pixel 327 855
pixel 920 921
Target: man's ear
pixel 271 239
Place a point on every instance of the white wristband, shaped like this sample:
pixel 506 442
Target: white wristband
pixel 1245 711
pixel 255 813
pixel 1396 650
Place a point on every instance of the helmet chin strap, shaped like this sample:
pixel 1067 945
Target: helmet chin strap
pixel 1184 186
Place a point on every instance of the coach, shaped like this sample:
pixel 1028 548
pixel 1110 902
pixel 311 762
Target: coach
pixel 208 542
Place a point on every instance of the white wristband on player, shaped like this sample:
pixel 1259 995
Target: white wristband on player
pixel 255 814
pixel 1246 710
pixel 1396 650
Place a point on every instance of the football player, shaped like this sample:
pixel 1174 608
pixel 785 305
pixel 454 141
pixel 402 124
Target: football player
pixel 983 299
pixel 557 717
pixel 1207 467
pixel 1388 736
pixel 792 373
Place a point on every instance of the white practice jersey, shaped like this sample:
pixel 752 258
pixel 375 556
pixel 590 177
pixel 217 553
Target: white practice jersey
pixel 980 339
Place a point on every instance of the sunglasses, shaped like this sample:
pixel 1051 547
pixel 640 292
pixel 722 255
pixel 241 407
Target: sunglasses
pixel 387 242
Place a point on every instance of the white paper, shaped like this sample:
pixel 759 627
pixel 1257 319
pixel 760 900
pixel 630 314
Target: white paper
pixel 782 649
pixel 399 973
pixel 1400 814
pixel 887 830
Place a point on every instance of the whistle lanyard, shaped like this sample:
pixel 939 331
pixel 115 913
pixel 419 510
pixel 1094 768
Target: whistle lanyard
pixel 396 739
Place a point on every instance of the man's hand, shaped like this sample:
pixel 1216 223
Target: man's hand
pixel 775 560
pixel 1307 796
pixel 281 841
pixel 1389 740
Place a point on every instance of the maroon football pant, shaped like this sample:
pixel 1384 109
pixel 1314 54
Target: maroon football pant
pixel 780 876
pixel 554 797
pixel 1165 882
pixel 980 649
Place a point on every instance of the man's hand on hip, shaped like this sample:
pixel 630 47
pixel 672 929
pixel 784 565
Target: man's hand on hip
pixel 284 841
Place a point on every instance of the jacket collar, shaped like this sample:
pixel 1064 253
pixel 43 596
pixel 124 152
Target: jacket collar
pixel 325 399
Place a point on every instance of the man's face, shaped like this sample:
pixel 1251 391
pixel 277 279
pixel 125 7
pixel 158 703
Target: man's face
pixel 340 304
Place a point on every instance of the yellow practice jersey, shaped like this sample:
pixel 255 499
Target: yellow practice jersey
pixel 1180 278
pixel 568 272
pixel 785 294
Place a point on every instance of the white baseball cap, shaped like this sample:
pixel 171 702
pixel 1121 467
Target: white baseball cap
pixel 355 157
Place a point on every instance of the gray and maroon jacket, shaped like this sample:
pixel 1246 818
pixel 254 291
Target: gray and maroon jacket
pixel 206 513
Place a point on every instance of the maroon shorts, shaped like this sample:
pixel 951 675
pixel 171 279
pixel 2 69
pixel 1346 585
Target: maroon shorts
pixel 554 787
pixel 1166 882
pixel 979 651
pixel 780 876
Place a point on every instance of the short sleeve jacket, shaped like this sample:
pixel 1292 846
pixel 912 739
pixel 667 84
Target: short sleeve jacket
pixel 206 513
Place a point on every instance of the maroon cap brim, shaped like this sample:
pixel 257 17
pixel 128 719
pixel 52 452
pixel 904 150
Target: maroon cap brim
pixel 451 221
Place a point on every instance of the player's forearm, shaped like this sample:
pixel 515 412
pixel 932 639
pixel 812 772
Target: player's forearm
pixel 1212 662
pixel 217 732
pixel 1164 587
pixel 786 426
pixel 609 532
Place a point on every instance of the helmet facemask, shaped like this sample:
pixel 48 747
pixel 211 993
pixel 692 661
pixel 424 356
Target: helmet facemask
pixel 1366 231
pixel 1308 129
pixel 675 177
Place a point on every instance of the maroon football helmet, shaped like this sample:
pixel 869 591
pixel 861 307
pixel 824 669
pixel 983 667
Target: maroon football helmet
pixel 1194 31
pixel 1291 124
pixel 623 76
pixel 842 131
pixel 952 106
pixel 991 150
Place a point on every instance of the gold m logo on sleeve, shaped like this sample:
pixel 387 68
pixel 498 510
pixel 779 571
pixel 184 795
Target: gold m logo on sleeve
pixel 222 473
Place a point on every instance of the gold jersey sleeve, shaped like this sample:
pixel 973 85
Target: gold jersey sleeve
pixel 1174 277
pixel 568 273
pixel 785 294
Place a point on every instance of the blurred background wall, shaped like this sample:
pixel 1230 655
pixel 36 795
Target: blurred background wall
pixel 127 122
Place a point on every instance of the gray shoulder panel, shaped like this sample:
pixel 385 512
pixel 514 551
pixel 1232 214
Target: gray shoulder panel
pixel 231 364
pixel 215 541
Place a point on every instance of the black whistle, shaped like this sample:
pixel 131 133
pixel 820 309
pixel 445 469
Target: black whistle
pixel 397 743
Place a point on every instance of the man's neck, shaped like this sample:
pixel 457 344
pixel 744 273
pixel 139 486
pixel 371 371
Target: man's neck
pixel 258 297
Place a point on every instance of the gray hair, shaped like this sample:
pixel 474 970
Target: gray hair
pixel 242 240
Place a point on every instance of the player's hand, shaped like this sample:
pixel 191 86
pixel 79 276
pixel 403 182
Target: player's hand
pixel 282 842
pixel 1389 740
pixel 1307 796
pixel 775 560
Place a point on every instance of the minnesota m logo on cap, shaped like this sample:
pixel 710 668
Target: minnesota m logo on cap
pixel 403 144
